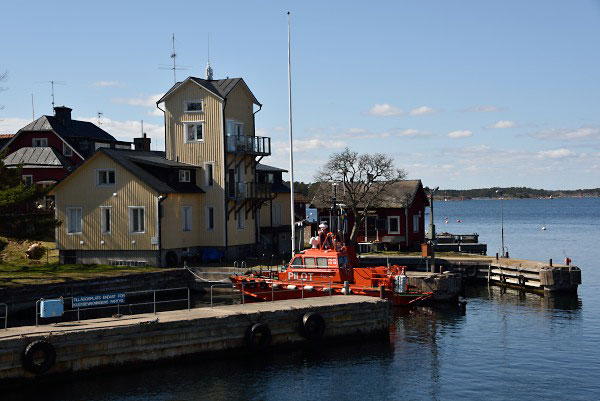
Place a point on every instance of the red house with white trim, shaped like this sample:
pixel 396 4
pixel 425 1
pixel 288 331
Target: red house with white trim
pixel 52 146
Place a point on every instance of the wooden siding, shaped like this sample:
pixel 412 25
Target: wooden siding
pixel 283 200
pixel 80 190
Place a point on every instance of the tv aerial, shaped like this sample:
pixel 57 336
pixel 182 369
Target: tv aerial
pixel 174 67
pixel 52 83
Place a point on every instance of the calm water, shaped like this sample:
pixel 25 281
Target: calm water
pixel 509 345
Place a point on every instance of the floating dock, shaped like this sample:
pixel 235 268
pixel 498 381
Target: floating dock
pixel 62 349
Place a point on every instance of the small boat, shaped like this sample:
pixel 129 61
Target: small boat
pixel 329 268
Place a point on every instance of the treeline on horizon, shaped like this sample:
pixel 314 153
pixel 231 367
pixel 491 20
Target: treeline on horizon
pixel 495 192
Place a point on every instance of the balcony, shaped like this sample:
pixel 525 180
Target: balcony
pixel 248 191
pixel 252 145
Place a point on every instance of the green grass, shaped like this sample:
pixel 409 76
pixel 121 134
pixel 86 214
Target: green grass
pixel 17 270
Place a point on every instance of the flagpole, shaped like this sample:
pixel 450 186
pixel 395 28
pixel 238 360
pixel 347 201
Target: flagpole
pixel 291 140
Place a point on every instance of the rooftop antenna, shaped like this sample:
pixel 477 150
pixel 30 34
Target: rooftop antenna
pixel 32 109
pixel 293 217
pixel 52 83
pixel 209 70
pixel 175 67
pixel 100 114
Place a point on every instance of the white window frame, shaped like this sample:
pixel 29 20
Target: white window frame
pixel 98 145
pixel 184 175
pixel 103 229
pixel 67 151
pixel 130 218
pixel 186 224
pixel 108 170
pixel 27 179
pixel 240 220
pixel 187 102
pixel 231 127
pixel 43 141
pixel 416 223
pixel 209 177
pixel 186 128
pixel 207 218
pixel 390 226
pixel 68 210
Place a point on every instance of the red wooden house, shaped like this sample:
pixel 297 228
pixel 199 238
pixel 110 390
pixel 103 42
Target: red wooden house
pixel 52 146
pixel 397 221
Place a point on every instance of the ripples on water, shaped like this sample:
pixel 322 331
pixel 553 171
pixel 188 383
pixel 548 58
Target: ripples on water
pixel 509 345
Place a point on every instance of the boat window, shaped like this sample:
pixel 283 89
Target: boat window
pixel 309 262
pixel 297 261
pixel 343 261
pixel 322 262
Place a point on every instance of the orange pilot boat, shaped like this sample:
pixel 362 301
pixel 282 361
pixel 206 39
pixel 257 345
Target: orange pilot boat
pixel 329 268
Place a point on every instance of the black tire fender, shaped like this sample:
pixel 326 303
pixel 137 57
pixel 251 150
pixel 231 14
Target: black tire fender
pixel 258 337
pixel 33 349
pixel 313 326
pixel 522 280
pixel 471 271
pixel 171 258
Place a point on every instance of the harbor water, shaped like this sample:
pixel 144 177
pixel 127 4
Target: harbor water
pixel 509 345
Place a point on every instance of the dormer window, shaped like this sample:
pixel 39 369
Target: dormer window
pixel 194 106
pixel 184 175
pixel 194 132
pixel 67 151
pixel 39 142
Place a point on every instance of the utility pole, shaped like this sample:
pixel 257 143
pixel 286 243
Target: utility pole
pixel 502 252
pixel 432 240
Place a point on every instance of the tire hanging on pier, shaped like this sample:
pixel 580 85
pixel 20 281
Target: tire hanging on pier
pixel 258 337
pixel 471 271
pixel 39 356
pixel 313 326
pixel 522 280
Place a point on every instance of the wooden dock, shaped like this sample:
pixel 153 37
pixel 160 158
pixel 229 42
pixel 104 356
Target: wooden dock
pixel 73 347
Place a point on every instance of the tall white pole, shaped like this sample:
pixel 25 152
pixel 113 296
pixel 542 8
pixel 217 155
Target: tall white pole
pixel 293 223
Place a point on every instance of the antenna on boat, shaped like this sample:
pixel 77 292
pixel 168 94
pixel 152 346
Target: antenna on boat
pixel 293 238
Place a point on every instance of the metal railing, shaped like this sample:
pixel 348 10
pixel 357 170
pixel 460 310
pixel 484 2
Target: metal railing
pixel 118 306
pixel 248 190
pixel 5 315
pixel 256 145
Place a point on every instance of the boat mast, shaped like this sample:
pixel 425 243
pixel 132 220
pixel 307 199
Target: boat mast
pixel 292 221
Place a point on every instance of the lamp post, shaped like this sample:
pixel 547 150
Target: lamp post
pixel 502 220
pixel 432 228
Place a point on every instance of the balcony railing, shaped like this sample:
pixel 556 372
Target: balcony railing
pixel 255 145
pixel 248 190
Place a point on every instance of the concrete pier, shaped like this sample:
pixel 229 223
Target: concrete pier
pixel 103 343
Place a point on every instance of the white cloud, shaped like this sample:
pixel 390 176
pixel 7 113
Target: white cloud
pixel 11 125
pixel 482 109
pixel 107 84
pixel 460 134
pixel 385 110
pixel 303 145
pixel 149 101
pixel 419 111
pixel 410 132
pixel 555 153
pixel 156 113
pixel 581 134
pixel 503 124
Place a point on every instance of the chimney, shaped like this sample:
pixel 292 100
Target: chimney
pixel 209 72
pixel 63 114
pixel 142 143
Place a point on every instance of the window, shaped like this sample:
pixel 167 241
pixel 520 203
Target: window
pixel 210 218
pixel 39 142
pixel 240 219
pixel 136 219
pixel 394 225
pixel 416 219
pixel 67 151
pixel 276 215
pixel 297 261
pixel 74 220
pixel 322 262
pixel 235 128
pixel 105 178
pixel 209 168
pixel 98 145
pixel 105 212
pixel 194 132
pixel 270 178
pixel 186 217
pixel 309 262
pixel 27 179
pixel 184 175
pixel 194 106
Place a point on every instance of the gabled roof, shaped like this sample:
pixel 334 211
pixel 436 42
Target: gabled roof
pixel 133 159
pixel 264 167
pixel 396 196
pixel 219 87
pixel 79 129
pixel 39 157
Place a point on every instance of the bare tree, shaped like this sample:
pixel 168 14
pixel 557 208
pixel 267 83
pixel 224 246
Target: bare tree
pixel 364 180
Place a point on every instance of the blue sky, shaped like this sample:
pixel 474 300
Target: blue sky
pixel 462 94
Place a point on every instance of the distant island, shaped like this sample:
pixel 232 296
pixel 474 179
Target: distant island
pixel 495 192
pixel 514 192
